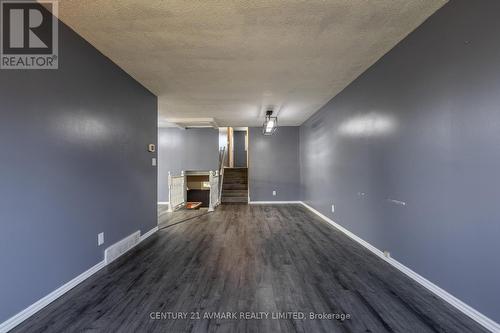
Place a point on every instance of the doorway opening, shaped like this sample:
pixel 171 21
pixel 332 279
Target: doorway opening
pixel 235 173
pixel 234 140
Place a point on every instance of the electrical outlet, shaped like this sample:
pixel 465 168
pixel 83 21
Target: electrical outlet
pixel 333 208
pixel 153 161
pixel 100 239
pixel 274 193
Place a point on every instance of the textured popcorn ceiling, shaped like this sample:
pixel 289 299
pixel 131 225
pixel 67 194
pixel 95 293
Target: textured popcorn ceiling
pixel 230 59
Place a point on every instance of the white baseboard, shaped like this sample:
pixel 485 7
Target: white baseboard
pixel 274 202
pixel 163 203
pixel 458 304
pixel 147 234
pixel 40 304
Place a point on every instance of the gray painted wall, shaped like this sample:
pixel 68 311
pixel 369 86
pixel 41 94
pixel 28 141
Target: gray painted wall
pixel 274 164
pixel 74 163
pixel 189 149
pixel 421 126
pixel 240 154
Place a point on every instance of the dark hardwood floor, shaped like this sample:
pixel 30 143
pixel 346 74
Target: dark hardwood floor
pixel 274 259
pixel 166 218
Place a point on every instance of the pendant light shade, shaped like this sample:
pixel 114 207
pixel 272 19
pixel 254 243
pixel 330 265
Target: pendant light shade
pixel 270 124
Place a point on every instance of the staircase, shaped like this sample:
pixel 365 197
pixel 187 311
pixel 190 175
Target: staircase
pixel 235 185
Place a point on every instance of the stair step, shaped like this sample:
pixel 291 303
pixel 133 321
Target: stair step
pixel 228 172
pixel 236 181
pixel 234 199
pixel 235 193
pixel 234 186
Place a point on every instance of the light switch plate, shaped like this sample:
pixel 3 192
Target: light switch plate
pixel 274 193
pixel 153 161
pixel 333 208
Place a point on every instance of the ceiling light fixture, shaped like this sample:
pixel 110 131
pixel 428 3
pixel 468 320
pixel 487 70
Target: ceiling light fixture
pixel 270 124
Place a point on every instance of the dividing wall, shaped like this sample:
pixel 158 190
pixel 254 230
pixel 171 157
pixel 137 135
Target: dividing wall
pixel 240 152
pixel 274 164
pixel 185 149
pixel 73 163
pixel 409 153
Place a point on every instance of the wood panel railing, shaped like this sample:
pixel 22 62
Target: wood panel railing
pixel 214 190
pixel 177 191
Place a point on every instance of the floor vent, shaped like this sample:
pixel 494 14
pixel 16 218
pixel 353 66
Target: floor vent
pixel 120 247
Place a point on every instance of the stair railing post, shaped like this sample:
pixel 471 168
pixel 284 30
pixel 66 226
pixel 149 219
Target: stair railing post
pixel 211 180
pixel 184 186
pixel 169 192
pixel 216 189
pixel 221 176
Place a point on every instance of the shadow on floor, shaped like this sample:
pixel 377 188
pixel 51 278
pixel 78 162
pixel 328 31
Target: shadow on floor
pixel 168 219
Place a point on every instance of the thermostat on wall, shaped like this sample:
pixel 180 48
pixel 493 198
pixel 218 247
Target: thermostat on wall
pixel 151 148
